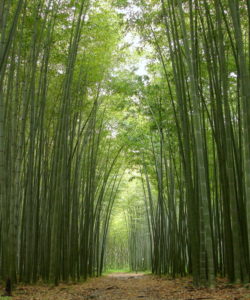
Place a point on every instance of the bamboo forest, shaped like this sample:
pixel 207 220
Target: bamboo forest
pixel 125 145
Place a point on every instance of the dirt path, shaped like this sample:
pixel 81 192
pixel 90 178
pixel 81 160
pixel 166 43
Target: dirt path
pixel 128 286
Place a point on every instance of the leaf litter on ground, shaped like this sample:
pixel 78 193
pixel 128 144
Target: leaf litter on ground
pixel 128 286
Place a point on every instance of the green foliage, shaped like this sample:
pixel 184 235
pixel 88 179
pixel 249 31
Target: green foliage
pixel 95 157
pixel 128 244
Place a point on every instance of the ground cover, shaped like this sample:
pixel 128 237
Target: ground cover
pixel 128 286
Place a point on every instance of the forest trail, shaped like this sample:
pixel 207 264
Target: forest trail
pixel 128 286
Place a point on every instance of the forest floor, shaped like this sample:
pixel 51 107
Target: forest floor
pixel 128 286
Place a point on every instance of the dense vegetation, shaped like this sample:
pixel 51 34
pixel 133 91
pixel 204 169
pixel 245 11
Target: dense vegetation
pixel 75 114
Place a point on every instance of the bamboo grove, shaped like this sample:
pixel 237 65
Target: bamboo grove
pixel 199 137
pixel 72 120
pixel 58 177
pixel 128 242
